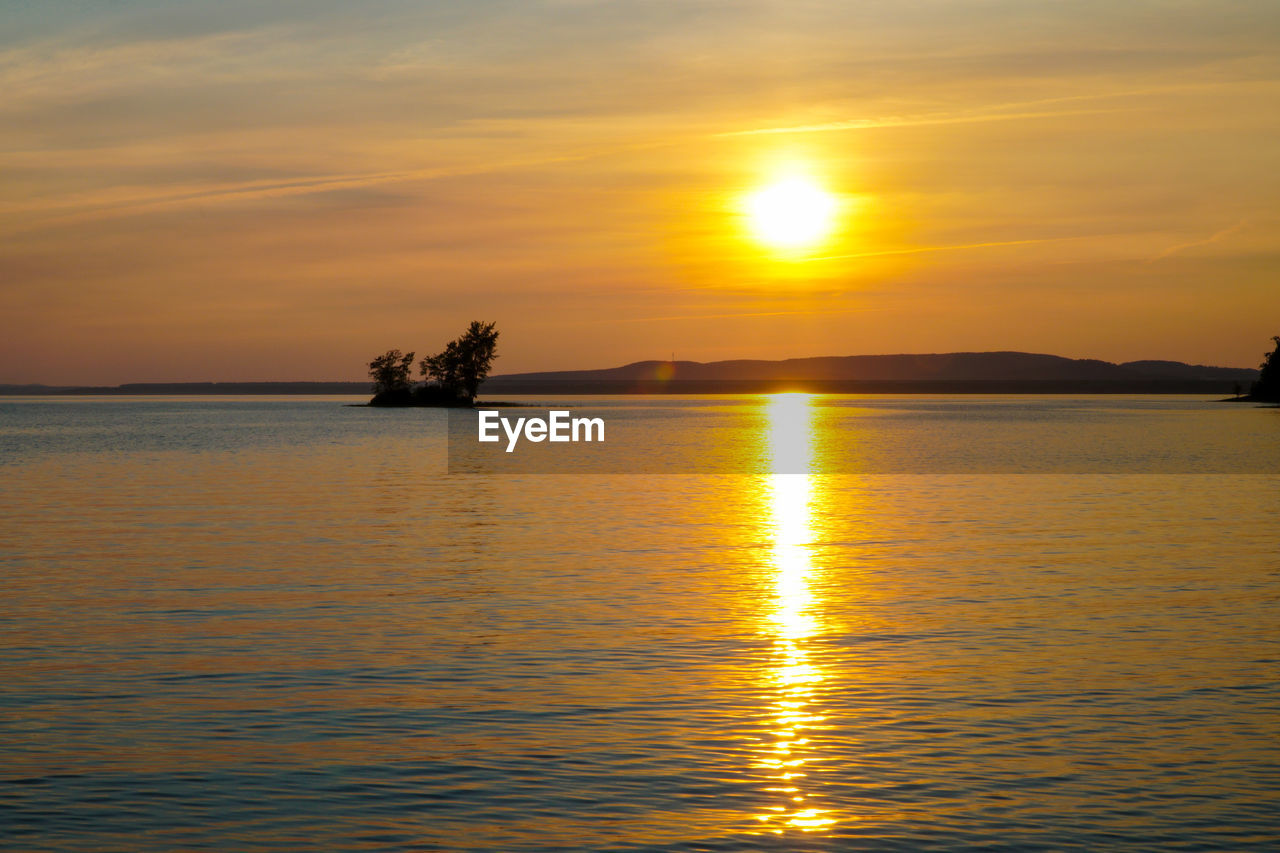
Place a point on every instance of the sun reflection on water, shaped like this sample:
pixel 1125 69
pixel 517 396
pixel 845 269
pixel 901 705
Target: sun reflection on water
pixel 794 675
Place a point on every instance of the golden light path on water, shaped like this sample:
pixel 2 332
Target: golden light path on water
pixel 794 675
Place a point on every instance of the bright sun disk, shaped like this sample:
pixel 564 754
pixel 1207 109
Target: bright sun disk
pixel 791 213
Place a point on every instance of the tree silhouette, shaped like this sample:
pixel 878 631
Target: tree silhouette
pixel 390 372
pixel 1268 385
pixel 465 362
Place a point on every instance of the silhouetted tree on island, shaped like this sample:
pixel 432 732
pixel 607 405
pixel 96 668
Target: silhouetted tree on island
pixel 465 363
pixel 1268 385
pixel 390 373
pixel 450 378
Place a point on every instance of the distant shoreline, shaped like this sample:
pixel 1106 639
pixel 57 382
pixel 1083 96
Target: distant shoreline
pixel 861 386
pixel 1000 372
pixel 188 389
pixel 498 385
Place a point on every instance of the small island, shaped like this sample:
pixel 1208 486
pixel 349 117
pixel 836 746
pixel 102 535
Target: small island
pixel 451 378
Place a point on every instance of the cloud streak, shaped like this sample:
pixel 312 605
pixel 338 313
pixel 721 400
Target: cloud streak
pixel 1192 244
pixel 1014 111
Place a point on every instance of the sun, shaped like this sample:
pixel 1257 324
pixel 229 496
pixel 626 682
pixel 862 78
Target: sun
pixel 791 213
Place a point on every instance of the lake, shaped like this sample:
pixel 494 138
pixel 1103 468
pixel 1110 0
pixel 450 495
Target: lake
pixel 740 623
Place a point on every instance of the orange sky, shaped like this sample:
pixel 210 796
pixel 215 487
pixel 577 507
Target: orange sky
pixel 221 191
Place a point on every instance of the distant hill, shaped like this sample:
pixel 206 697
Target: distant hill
pixel 248 388
pixel 959 371
pixel 955 372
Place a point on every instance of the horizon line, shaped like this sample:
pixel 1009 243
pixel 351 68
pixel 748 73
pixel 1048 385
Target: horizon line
pixel 152 382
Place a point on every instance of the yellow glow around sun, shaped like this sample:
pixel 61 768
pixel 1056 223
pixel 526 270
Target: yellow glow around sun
pixel 791 213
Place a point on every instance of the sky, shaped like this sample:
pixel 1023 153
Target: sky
pixel 281 191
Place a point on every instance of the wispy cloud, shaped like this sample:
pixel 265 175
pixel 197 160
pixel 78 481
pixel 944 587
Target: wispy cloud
pixel 912 121
pixel 722 316
pixel 1009 111
pixel 920 250
pixel 130 201
pixel 1205 241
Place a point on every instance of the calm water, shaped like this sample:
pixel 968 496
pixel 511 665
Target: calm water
pixel 280 624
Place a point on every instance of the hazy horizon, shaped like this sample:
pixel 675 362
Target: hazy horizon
pixel 498 372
